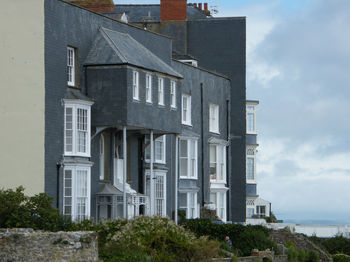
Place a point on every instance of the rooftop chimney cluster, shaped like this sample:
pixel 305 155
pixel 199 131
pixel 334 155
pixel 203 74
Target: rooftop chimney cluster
pixel 203 7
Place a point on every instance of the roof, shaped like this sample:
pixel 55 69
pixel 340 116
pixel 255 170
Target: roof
pixel 76 94
pixel 109 189
pixel 116 48
pixel 140 13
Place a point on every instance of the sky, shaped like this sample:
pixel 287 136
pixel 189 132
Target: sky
pixel 298 67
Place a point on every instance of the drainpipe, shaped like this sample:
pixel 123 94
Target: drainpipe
pixel 176 174
pixel 228 163
pixel 124 172
pixel 151 175
pixel 58 166
pixel 202 144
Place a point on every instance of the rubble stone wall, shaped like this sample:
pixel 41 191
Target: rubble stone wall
pixel 23 244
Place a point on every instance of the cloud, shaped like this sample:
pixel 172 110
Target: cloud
pixel 299 71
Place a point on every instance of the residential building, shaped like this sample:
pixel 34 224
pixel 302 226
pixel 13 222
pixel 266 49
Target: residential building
pixel 116 121
pixel 256 206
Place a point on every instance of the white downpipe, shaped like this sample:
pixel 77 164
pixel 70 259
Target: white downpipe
pixel 124 172
pixel 151 175
pixel 176 174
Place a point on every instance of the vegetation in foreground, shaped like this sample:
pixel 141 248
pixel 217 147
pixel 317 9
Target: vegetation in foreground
pixel 338 247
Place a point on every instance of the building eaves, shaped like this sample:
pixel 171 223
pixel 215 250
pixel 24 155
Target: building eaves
pixel 202 69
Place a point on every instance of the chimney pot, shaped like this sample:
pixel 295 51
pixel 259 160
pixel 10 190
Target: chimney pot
pixel 195 4
pixel 206 6
pixel 200 6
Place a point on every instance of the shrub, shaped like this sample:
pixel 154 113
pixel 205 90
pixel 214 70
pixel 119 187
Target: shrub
pixel 244 238
pixel 341 258
pixel 157 239
pixel 18 210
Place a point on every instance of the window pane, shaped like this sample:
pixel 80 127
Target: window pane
pixel 183 167
pixel 250 168
pixel 250 122
pixel 183 148
pixel 213 169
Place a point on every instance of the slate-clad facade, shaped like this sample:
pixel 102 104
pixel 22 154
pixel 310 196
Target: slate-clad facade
pixel 131 130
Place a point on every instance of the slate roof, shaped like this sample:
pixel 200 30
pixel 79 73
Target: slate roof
pixel 138 13
pixel 116 48
pixel 76 94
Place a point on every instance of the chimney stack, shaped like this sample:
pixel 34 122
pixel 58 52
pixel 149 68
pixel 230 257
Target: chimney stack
pixel 206 6
pixel 173 10
pixel 195 4
pixel 200 6
pixel 98 6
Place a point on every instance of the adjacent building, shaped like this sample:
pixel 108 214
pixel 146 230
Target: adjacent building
pixel 114 119
pixel 256 206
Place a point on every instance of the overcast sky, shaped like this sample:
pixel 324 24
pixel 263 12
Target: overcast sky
pixel 298 67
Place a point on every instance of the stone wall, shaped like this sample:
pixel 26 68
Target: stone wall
pixel 28 245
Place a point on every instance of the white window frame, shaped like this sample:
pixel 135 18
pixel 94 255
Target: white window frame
pixel 135 86
pixel 161 91
pixel 251 154
pixel 158 139
pixel 250 212
pixel 156 173
pixel 75 106
pixel 73 190
pixel 214 118
pixel 186 110
pixel 251 111
pixel 220 206
pixel 194 208
pixel 70 66
pixel 189 141
pixel 220 165
pixel 172 94
pixel 149 88
pixel 102 157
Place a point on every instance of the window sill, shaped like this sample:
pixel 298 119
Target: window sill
pixel 155 162
pixel 77 155
pixel 161 105
pixel 188 178
pixel 214 132
pixel 187 124
pixel 149 103
pixel 74 87
pixel 137 100
pixel 173 108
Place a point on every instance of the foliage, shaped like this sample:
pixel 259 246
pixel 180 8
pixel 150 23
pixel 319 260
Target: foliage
pixel 271 219
pixel 334 245
pixel 206 213
pixel 156 239
pixel 302 255
pixel 18 210
pixel 244 238
pixel 341 258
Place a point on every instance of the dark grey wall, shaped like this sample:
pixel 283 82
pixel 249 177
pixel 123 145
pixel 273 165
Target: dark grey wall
pixel 216 90
pixel 219 44
pixel 67 25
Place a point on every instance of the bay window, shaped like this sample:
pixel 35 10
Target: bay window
pixel 251 119
pixel 188 156
pixel 188 202
pixel 218 199
pixel 76 192
pixel 250 164
pixel 217 162
pixel 159 149
pixel 77 128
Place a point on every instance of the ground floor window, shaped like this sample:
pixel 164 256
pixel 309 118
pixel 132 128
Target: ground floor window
pixel 188 202
pixel 76 192
pixel 218 199
pixel 159 191
pixel 250 212
pixel 261 211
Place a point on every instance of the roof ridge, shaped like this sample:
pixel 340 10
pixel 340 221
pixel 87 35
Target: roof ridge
pixel 112 44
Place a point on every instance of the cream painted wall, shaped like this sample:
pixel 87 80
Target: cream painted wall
pixel 22 95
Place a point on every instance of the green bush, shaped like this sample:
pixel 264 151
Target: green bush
pixel 156 239
pixel 341 258
pixel 302 255
pixel 18 210
pixel 244 238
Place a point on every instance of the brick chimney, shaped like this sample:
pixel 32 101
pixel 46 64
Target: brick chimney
pixel 173 10
pixel 99 6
